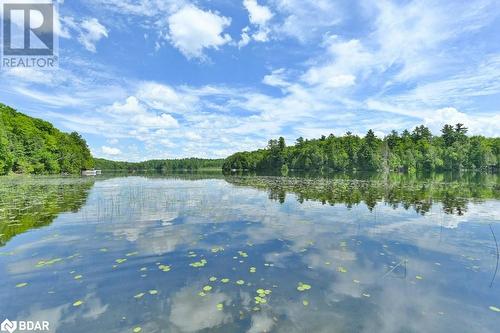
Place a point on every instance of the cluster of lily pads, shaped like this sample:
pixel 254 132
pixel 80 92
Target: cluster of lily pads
pixel 200 263
pixel 261 296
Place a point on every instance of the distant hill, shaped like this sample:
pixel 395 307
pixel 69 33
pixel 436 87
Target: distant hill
pixel 33 146
pixel 160 165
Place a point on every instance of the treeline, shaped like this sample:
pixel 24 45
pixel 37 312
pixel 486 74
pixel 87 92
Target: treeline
pixel 418 150
pixel 34 146
pixel 187 164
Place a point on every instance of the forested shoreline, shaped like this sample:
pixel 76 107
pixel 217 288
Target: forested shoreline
pixel 418 150
pixel 185 164
pixel 34 146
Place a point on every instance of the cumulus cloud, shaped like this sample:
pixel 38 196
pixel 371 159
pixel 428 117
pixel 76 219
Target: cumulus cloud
pixel 165 98
pixel 192 30
pixel 111 151
pixel 133 112
pixel 259 16
pixel 477 124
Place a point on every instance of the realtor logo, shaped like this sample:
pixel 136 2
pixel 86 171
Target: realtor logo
pixel 8 326
pixel 28 34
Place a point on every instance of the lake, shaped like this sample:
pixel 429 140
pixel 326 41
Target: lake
pixel 214 253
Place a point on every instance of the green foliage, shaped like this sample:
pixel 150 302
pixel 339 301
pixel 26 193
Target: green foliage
pixel 187 164
pixel 33 146
pixel 412 151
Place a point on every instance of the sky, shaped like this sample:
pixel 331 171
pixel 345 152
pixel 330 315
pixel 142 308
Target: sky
pixel 144 79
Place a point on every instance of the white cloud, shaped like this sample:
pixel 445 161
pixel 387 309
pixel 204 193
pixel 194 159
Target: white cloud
pixel 166 98
pixel 305 19
pixel 245 38
pixel 134 113
pixel 258 14
pixel 276 79
pixel 91 33
pixel 488 125
pixel 110 151
pixel 191 30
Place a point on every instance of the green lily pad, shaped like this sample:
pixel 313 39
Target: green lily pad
pixel 140 295
pixel 207 288
pixel 213 279
pixel 240 282
pixel 418 277
pixel 120 261
pixel 21 285
pixel 342 269
pixel 303 287
pixel 305 302
pixel 494 308
pixel 78 277
pixel 153 292
pixel 78 303
pixel 220 306
pixel 137 329
pixel 225 280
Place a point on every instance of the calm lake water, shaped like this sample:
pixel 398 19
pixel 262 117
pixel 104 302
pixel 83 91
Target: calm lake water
pixel 251 254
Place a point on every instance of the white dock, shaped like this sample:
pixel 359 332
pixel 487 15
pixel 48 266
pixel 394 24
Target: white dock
pixel 90 173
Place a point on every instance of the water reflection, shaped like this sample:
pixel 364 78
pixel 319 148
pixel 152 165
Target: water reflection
pixel 370 268
pixel 27 203
pixel 393 190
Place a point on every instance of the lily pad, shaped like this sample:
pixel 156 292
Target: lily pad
pixel 164 268
pixel 418 277
pixel 342 269
pixel 78 277
pixel 303 287
pixel 140 295
pixel 213 279
pixel 207 288
pixel 153 292
pixel 220 306
pixel 225 280
pixel 494 308
pixel 21 285
pixel 137 329
pixel 240 282
pixel 78 303
pixel 305 302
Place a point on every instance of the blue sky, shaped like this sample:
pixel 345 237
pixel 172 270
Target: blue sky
pixel 142 79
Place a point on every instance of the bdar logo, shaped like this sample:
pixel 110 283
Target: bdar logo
pixel 8 326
